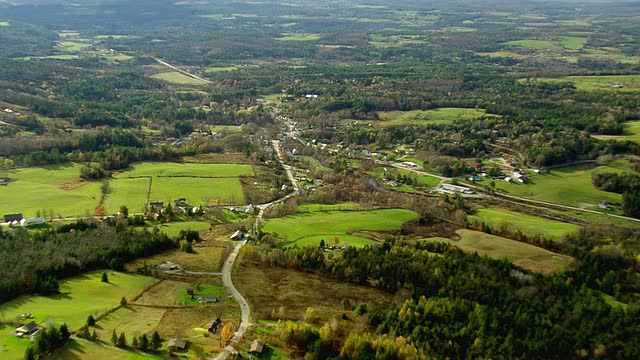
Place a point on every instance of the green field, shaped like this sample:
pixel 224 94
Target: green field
pixel 72 46
pixel 11 347
pixel 631 133
pixel 79 296
pixel 135 320
pixel 86 350
pixel 522 254
pixel 569 185
pixel 129 192
pixel 174 228
pixel 328 207
pixel 573 43
pixel 206 191
pixel 530 225
pixel 607 82
pixel 435 116
pixel 221 68
pixel 188 169
pixel 4 23
pixel 312 226
pixel 56 188
pixel 175 77
pixel 295 37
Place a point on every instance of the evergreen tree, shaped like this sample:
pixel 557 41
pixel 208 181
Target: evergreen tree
pixel 144 342
pixel 122 340
pixel 105 277
pixel 28 354
pixel 64 332
pixel 114 337
pixel 91 321
pixel 134 342
pixel 155 342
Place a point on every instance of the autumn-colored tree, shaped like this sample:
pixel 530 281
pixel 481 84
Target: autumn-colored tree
pixel 225 334
pixel 336 240
pixel 101 211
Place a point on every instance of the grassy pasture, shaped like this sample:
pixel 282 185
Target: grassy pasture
pixel 174 228
pixel 175 77
pixel 328 207
pixel 197 191
pixel 316 225
pixel 530 225
pixel 299 37
pixel 569 185
pixel 632 133
pixel 605 82
pixel 434 116
pixel 180 169
pixel 72 46
pixel 573 43
pixel 221 68
pixel 11 347
pixel 53 187
pixel 87 350
pixel 174 293
pixel 349 240
pixel 129 192
pixel 79 296
pixel 133 320
pixel 522 254
pixel 4 23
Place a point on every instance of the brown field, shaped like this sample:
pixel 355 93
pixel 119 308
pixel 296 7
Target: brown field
pixel 226 158
pixel 296 291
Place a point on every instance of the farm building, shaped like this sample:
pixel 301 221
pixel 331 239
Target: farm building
pixel 238 235
pixel 28 329
pixel 176 344
pixel 206 299
pixel 181 202
pixel 456 189
pixel 156 205
pixel 32 221
pixel 257 347
pixel 13 217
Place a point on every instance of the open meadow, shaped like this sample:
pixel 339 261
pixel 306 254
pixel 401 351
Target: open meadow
pixel 434 116
pixel 570 185
pixel 605 82
pixel 311 227
pixel 530 225
pixel 527 256
pixel 87 350
pixel 631 133
pixel 178 78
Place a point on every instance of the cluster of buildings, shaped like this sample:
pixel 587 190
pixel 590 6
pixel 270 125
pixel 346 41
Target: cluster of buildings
pixel 17 219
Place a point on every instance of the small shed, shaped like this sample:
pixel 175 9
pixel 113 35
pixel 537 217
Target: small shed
pixel 190 291
pixel 257 347
pixel 205 299
pixel 13 217
pixel 238 235
pixel 27 329
pixel 176 344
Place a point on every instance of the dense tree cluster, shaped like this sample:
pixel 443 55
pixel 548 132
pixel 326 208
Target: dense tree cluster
pixel 33 260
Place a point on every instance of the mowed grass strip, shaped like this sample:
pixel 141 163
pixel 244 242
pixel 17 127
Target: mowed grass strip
pixel 178 78
pixel 631 133
pixel 530 225
pixel 434 116
pixel 129 192
pixel 337 223
pixel 188 169
pixel 174 228
pixel 570 185
pixel 131 319
pixel 522 254
pixel 79 297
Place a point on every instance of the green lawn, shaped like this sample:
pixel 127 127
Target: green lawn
pixel 12 347
pixel 45 188
pixel 4 23
pixel 175 77
pixel 72 46
pixel 633 131
pixel 199 290
pixel 435 116
pixel 79 296
pixel 349 240
pixel 188 169
pixel 522 254
pixel 86 350
pixel 606 82
pixel 129 192
pixel 174 228
pixel 328 207
pixel 316 225
pixel 530 225
pixel 569 185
